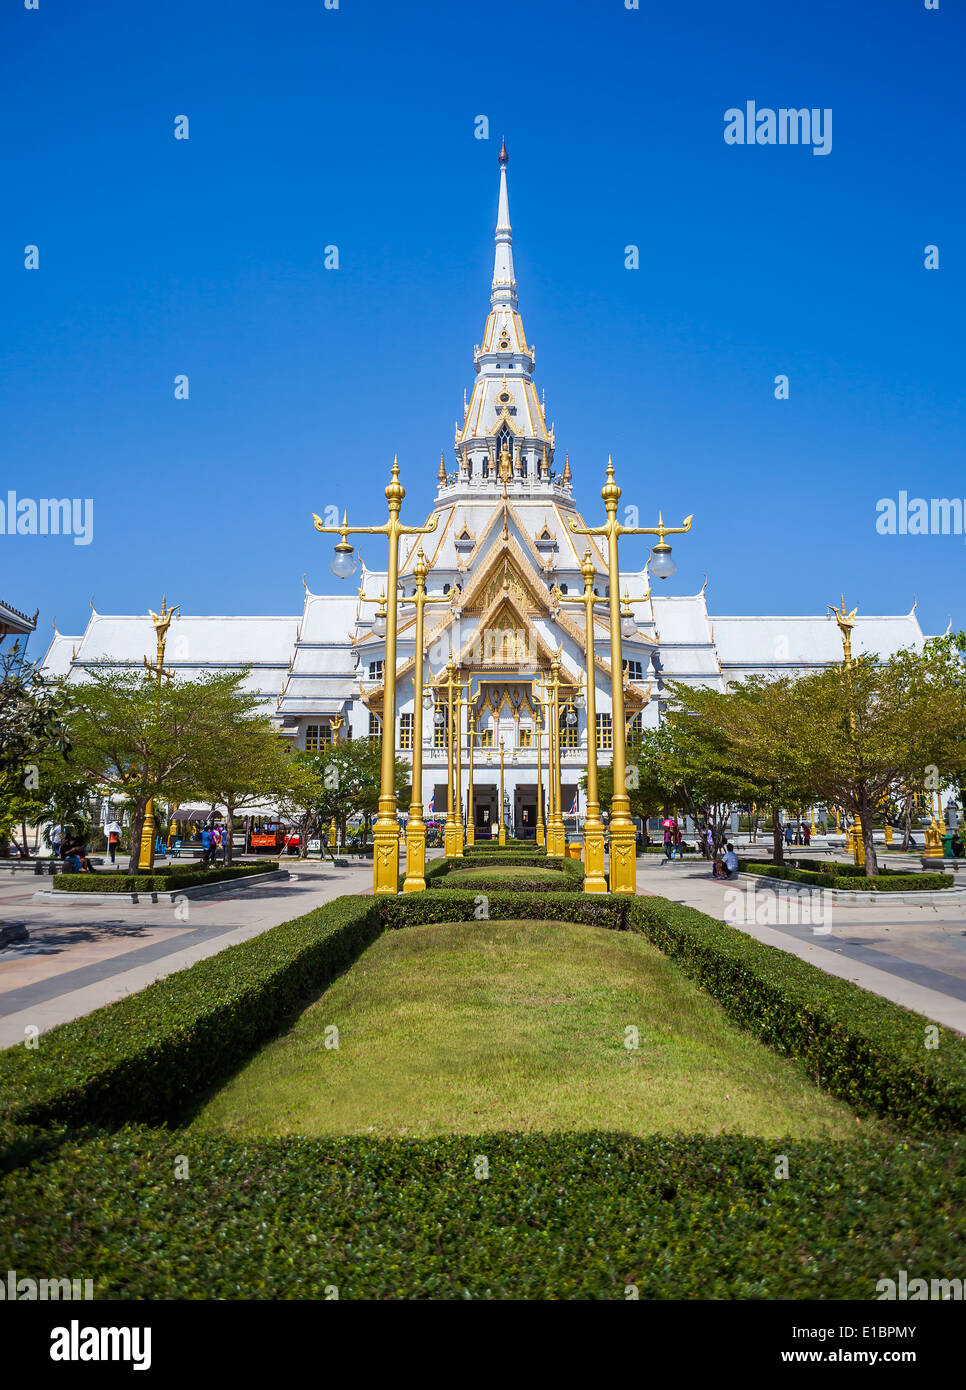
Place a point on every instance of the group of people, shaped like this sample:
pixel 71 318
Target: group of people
pixel 214 841
pixel 798 835
pixel 71 848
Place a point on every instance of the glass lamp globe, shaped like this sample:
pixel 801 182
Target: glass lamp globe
pixel 427 702
pixel 579 700
pixel 343 562
pixel 628 625
pixel 662 566
pixel 439 717
pixel 379 625
pixel 571 718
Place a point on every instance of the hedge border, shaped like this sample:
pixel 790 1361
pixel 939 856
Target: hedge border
pixel 100 882
pixel 893 881
pixel 147 1057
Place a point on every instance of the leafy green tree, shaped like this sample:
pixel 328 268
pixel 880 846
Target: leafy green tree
pixel 144 740
pixel 884 724
pixel 346 778
pixel 33 741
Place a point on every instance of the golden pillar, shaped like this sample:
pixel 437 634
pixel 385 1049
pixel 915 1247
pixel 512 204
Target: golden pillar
pixel 502 835
pixel 415 880
pixel 538 733
pixel 453 830
pixel 385 865
pixel 556 833
pixel 623 840
pixel 161 621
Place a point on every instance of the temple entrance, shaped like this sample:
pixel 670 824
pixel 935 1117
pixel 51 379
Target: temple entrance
pixel 525 811
pixel 486 811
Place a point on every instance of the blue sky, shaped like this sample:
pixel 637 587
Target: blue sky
pixel 355 127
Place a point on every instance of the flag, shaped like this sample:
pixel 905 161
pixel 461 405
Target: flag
pixel 432 796
pixel 573 809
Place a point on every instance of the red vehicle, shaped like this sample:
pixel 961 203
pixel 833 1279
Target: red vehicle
pixel 267 835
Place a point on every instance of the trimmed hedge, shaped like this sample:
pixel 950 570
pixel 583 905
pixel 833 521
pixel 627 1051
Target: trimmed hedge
pixel 888 881
pixel 146 1057
pixel 866 1050
pixel 562 1216
pixel 159 881
pixel 556 875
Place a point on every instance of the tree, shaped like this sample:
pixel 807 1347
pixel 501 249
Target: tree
pixel 876 726
pixel 245 761
pixel 345 783
pixel 696 761
pixel 145 740
pixel 33 740
pixel 751 732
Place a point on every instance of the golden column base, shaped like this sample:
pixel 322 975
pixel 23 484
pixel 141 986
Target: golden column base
pixel 888 833
pixel 501 838
pixel 594 879
pixel 452 841
pixel 623 858
pixel 333 832
pixel 385 851
pixel 471 834
pixel 556 841
pixel 146 855
pixel 541 838
pixel 856 844
pixel 934 841
pixel 415 881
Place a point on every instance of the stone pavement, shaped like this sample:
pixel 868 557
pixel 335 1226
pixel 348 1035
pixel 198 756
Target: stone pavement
pixel 915 956
pixel 81 956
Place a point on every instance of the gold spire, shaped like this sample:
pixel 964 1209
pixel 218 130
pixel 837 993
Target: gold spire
pixel 442 467
pixel 566 472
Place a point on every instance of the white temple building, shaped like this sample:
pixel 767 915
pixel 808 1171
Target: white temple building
pixel 504 554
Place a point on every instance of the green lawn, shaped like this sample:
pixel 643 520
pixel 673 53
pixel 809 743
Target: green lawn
pixel 488 1026
pixel 512 873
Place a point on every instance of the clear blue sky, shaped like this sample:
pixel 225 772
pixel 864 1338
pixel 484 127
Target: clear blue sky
pixel 356 127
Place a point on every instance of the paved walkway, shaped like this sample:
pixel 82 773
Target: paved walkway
pixel 81 956
pixel 915 956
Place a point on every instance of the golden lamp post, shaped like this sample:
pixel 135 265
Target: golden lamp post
pixel 623 841
pixel 385 859
pixel 538 732
pixel 846 622
pixel 161 621
pixel 502 835
pixel 453 830
pixel 594 879
pixel 415 880
pixel 335 724
pixel 556 833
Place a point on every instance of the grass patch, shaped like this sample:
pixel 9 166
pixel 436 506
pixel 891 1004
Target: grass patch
pixel 494 1026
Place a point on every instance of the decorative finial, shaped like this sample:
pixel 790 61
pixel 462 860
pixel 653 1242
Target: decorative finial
pixel 566 473
pixel 504 157
pixel 442 468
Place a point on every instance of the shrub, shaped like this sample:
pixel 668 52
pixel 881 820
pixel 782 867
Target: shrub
pixel 864 1049
pixel 462 905
pixel 554 875
pixel 145 1057
pixel 845 878
pixel 563 1216
pixel 158 881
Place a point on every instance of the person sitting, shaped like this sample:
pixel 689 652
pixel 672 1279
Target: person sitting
pixel 729 863
pixel 957 845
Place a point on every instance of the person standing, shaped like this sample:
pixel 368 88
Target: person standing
pixel 676 850
pixel 113 832
pixel 56 840
pixel 206 846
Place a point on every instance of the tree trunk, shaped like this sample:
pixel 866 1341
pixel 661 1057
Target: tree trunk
pixel 907 825
pixel 229 834
pixel 26 851
pixel 137 825
pixel 778 847
pixel 865 825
